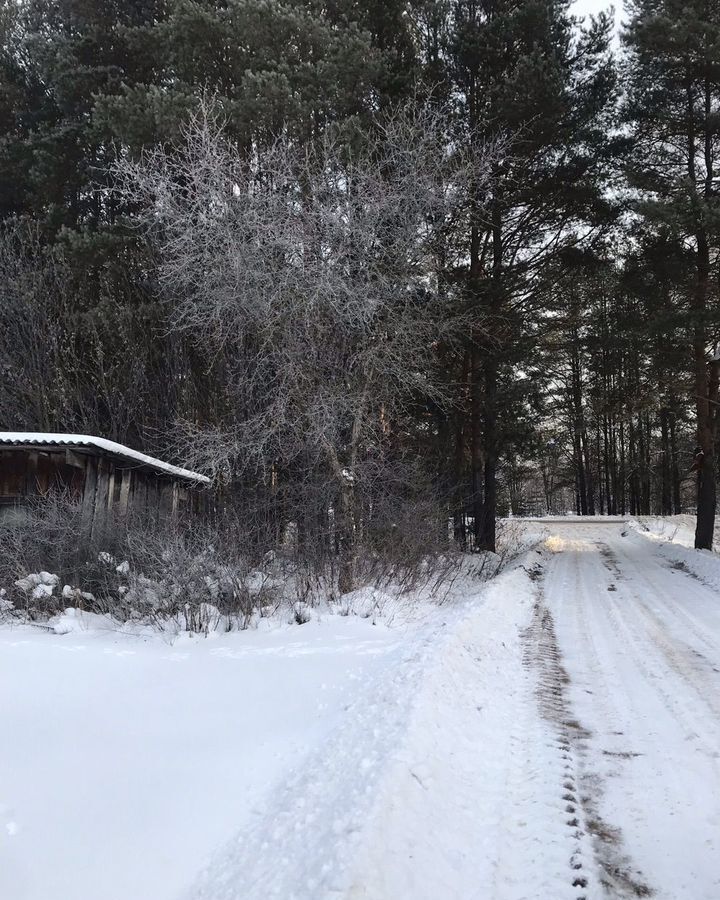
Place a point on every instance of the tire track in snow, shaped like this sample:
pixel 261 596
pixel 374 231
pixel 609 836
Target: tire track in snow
pixel 635 626
pixel 596 843
pixel 542 781
pixel 673 633
pixel 496 813
pixel 660 779
pixel 541 654
pixel 679 619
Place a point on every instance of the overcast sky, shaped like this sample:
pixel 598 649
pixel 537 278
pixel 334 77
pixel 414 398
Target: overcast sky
pixel 593 6
pixel 583 7
pixel 586 7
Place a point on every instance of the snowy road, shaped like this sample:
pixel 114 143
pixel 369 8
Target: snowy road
pixel 555 735
pixel 639 636
pixel 581 758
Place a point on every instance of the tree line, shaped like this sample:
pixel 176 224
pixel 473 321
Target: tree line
pixel 376 266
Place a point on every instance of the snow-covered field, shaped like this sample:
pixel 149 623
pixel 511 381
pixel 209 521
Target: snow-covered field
pixel 552 734
pixel 124 763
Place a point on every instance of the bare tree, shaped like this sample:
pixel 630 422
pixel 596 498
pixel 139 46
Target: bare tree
pixel 314 271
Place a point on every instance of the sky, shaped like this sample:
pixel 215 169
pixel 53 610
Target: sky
pixel 583 7
pixel 591 7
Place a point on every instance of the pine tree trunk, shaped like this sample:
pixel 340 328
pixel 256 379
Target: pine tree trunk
pixel 621 471
pixel 643 470
pixel 477 444
pixel 706 434
pixel 705 382
pixel 590 494
pixel 665 486
pixel 705 394
pixel 675 468
pixel 459 531
pixel 607 465
pixel 580 475
pixel 598 454
pixel 487 534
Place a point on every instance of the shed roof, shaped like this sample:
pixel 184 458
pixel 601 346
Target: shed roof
pixel 46 439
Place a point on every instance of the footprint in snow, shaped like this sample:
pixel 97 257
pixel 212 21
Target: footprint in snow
pixel 8 819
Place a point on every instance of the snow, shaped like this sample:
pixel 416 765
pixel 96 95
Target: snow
pixel 85 440
pixel 38 585
pixel 126 761
pixel 640 639
pixel 469 806
pixel 553 733
pixel 674 529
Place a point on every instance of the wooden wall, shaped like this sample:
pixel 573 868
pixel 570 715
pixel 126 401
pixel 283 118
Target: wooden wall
pixel 103 485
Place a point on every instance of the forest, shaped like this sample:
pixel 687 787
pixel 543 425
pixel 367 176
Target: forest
pixel 388 271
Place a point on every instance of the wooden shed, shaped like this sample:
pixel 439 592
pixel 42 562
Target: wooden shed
pixel 105 476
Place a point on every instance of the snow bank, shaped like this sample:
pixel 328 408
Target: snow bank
pixel 675 529
pixel 377 783
pixel 74 620
pixel 674 543
pixel 440 807
pixel 678 529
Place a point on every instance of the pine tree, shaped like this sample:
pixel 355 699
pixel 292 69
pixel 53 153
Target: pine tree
pixel 673 106
pixel 524 75
pixel 19 99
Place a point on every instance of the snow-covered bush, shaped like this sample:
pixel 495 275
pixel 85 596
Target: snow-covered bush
pixel 38 586
pixel 40 551
pixel 200 576
pixel 7 607
pixel 190 574
pixel 76 598
pixel 183 577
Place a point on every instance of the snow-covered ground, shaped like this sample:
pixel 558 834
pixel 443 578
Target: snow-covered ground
pixel 125 762
pixel 553 734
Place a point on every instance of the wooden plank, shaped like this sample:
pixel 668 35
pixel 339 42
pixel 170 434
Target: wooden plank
pixel 47 470
pixel 165 496
pixel 125 491
pixel 75 459
pixel 88 492
pixel 13 473
pixel 101 495
pixel 141 498
pixel 31 468
pixel 153 497
pixel 110 487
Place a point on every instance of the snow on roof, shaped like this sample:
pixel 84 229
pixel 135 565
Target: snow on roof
pixel 85 440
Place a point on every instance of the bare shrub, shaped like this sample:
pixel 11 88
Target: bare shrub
pixel 193 574
pixel 202 576
pixel 511 540
pixel 198 575
pixel 47 534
